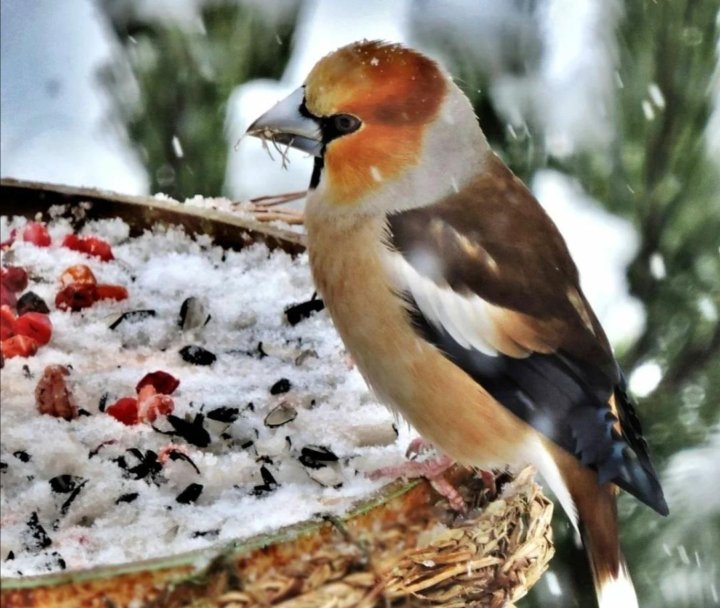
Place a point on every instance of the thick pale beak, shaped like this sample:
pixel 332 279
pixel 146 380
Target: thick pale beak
pixel 285 124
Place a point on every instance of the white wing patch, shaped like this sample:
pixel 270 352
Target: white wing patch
pixel 467 318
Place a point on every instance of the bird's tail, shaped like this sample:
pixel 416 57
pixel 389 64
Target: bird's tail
pixel 599 531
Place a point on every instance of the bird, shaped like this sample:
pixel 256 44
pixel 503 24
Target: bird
pixel 456 295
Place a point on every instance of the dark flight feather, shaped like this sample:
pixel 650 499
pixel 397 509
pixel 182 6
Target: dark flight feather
pixel 564 394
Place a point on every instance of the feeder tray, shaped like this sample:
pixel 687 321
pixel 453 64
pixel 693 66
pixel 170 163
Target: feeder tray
pixel 403 547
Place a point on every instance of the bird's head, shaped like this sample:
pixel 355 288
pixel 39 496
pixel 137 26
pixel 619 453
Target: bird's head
pixel 388 127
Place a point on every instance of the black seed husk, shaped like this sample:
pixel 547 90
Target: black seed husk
pixel 40 538
pixel 129 497
pixel 261 353
pixel 197 355
pixel 103 401
pixel 297 312
pixel 132 316
pixel 224 414
pixel 10 556
pixel 316 456
pixel 206 533
pixel 176 455
pixel 22 456
pixel 269 483
pixel 31 302
pixel 3 465
pixel 148 464
pixel 267 476
pixel 281 386
pixel 193 432
pixel 60 562
pixel 66 505
pixel 64 484
pixel 190 494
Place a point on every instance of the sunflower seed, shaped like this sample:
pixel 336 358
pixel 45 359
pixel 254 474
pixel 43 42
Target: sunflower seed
pixel 279 415
pixel 193 314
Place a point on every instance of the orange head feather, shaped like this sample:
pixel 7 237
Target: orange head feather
pixel 394 91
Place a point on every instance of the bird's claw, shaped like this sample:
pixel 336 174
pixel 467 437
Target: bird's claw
pixel 432 469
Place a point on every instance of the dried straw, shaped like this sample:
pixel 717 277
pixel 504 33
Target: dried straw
pixel 490 560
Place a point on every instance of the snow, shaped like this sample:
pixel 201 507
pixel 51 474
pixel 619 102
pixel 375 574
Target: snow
pixel 55 116
pixel 575 89
pixel 656 95
pixel 246 294
pixel 177 147
pixel 686 550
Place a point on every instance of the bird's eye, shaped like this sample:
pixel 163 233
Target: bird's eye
pixel 338 125
pixel 345 123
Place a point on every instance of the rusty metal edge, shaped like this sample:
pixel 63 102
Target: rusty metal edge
pixel 141 212
pixel 194 562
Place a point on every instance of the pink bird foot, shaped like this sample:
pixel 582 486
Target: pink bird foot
pixel 432 469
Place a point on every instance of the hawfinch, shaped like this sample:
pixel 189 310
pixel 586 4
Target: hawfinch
pixel 455 293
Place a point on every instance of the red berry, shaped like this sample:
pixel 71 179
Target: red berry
pixel 111 292
pixel 99 248
pixel 18 346
pixel 162 382
pixel 34 325
pixel 91 245
pixel 74 242
pixel 7 296
pixel 125 410
pixel 77 274
pixel 15 278
pixel 7 322
pixel 36 234
pixel 76 297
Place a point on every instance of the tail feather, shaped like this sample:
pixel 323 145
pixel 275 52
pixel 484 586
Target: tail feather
pixel 613 585
pixel 592 509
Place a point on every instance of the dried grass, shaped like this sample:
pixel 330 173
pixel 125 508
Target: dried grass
pixel 489 560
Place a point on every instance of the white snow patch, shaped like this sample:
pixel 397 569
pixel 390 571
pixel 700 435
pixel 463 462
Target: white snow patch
pixel 657 266
pixel 246 294
pixel 56 123
pixel 177 147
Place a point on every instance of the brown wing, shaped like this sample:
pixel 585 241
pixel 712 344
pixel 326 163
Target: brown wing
pixel 490 251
